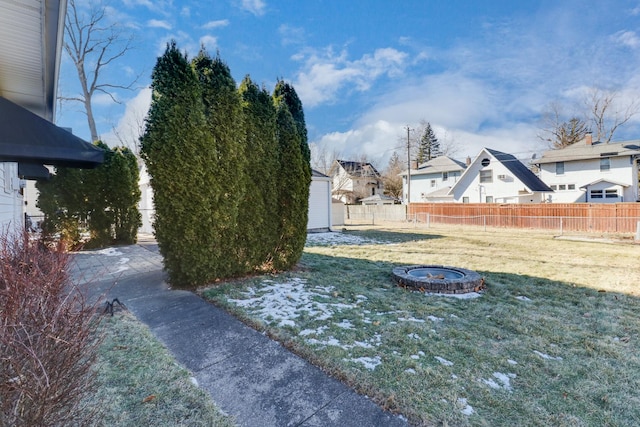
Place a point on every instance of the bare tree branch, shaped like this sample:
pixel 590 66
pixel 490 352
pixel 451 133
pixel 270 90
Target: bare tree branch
pixel 92 47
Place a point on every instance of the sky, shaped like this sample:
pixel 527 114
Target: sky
pixel 482 73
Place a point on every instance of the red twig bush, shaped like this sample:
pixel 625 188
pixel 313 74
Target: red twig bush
pixel 48 339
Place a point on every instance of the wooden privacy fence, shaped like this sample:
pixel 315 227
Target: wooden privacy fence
pixel 588 217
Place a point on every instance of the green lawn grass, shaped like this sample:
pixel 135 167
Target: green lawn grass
pixel 140 384
pixel 553 341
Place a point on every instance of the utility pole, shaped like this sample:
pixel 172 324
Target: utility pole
pixel 408 165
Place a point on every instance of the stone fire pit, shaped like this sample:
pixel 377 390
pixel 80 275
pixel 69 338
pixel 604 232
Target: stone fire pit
pixel 438 279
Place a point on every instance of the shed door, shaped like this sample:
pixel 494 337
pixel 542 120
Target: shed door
pixel 318 205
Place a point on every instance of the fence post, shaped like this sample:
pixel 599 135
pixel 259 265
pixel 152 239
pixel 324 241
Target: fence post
pixel 373 218
pixel 428 220
pixel 484 222
pixel 561 226
pixel 638 232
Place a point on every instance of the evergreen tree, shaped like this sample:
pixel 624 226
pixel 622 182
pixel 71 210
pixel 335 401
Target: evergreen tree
pixel 225 181
pixel 429 146
pixel 176 147
pixel 286 92
pixel 294 178
pixel 258 231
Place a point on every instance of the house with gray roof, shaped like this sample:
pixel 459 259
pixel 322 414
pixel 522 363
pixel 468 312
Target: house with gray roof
pixel 352 181
pixel 593 172
pixel 431 181
pixel 497 177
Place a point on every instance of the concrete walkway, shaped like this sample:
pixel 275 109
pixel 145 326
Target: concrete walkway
pixel 248 375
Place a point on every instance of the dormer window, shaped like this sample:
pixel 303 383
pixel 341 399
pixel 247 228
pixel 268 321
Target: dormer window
pixel 559 168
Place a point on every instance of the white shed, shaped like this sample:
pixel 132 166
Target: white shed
pixel 319 202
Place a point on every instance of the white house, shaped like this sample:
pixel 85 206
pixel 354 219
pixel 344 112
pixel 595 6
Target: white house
pixel 432 180
pixel 496 177
pixel 352 181
pixel 319 202
pixel 593 172
pixel 31 37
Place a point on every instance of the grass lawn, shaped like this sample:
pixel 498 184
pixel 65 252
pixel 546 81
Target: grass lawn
pixel 140 384
pixel 553 340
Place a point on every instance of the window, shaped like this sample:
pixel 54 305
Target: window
pixel 485 162
pixel 465 199
pixel 486 176
pixel 559 168
pixel 596 194
pixel 605 164
pixel 445 176
pixel 433 182
pixel 611 194
pixel 553 187
pixel 571 186
pixel 373 191
pixel 562 187
pixel 489 199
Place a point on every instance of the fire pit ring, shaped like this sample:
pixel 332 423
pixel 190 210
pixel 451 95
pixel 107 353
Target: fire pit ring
pixel 438 279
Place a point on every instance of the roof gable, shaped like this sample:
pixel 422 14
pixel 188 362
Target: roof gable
pixel 580 151
pixel 438 165
pixel 358 169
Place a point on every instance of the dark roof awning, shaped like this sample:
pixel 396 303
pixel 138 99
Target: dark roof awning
pixel 27 137
pixel 33 171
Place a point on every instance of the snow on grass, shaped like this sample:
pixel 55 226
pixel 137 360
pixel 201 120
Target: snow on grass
pixel 445 362
pixel 466 408
pixel 546 356
pixel 411 319
pixel 282 303
pixel 368 362
pixel 345 324
pixel 511 362
pixel 503 379
pixel 523 298
pixel 330 239
pixel 435 319
pixel 468 295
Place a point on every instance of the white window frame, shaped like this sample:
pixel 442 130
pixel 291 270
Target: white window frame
pixel 486 176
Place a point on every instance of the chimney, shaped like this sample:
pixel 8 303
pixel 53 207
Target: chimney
pixel 414 164
pixel 588 138
pixel 468 161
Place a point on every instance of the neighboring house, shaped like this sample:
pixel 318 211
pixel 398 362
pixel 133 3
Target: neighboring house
pixel 593 172
pixel 378 199
pixel 352 181
pixel 31 37
pixel 319 202
pixel 496 177
pixel 432 180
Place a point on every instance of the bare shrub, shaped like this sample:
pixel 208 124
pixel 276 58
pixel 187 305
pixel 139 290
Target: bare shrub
pixel 48 337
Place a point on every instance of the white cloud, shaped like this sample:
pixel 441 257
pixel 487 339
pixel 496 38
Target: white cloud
pixel 131 125
pixel 627 38
pixel 324 73
pixel 209 42
pixel 185 12
pixel 291 35
pixel 156 23
pixel 256 7
pixel 216 24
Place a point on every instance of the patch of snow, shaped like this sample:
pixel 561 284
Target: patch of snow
pixel 512 362
pixel 345 324
pixel 119 269
pixel 411 319
pixel 453 315
pixel 194 381
pixel 523 298
pixel 466 408
pixel 468 295
pixel 331 341
pixel 368 362
pixel 435 319
pixel 414 336
pixel 362 344
pixel 445 362
pixel 504 379
pixel 123 260
pixel 410 371
pixel 454 376
pixel 415 357
pixel 421 353
pixel 546 356
pixel 317 331
pixel 108 252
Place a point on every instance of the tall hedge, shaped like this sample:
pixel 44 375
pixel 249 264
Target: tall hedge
pixel 228 171
pixel 176 147
pixel 294 178
pixel 257 230
pixel 224 183
pixel 103 200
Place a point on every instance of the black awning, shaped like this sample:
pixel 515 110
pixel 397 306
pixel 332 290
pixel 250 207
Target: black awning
pixel 27 137
pixel 33 171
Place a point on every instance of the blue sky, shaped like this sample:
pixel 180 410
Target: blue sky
pixel 481 72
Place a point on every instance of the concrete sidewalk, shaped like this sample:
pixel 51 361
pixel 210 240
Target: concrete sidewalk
pixel 248 375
